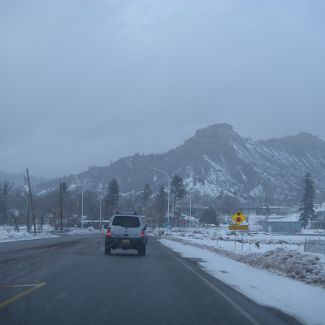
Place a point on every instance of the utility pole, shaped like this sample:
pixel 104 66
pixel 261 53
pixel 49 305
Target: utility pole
pixel 190 204
pixel 168 191
pixel 61 208
pixel 31 201
pixel 100 207
pixel 27 205
pixel 82 204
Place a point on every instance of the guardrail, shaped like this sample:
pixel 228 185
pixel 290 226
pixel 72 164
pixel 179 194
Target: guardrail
pixel 315 246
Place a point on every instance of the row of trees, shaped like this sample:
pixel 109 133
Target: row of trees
pixel 53 206
pixel 154 206
pixel 65 203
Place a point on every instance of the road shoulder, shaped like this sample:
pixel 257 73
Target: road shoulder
pixel 265 288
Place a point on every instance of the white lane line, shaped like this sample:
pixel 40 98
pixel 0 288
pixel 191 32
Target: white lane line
pixel 213 287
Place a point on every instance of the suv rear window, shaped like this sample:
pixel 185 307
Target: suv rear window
pixel 126 221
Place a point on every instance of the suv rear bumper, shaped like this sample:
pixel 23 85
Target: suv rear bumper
pixel 125 243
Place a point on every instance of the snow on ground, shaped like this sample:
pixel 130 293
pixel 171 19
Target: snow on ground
pixel 8 233
pixel 241 243
pixel 303 301
pixel 81 231
pixel 280 254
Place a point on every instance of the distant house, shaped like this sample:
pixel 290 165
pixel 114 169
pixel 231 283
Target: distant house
pixel 194 209
pixel 278 226
pixel 318 221
pixel 278 210
pixel 186 220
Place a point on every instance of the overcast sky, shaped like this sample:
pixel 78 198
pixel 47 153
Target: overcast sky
pixel 86 82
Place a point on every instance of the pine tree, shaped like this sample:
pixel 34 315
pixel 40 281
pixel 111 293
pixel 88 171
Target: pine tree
pixel 178 191
pixel 145 195
pixel 161 205
pixel 177 187
pixel 63 190
pixel 307 205
pixel 112 197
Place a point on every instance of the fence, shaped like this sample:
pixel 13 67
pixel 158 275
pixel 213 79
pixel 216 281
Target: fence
pixel 315 246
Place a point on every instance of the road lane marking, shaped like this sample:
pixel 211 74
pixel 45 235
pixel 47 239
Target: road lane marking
pixel 32 287
pixel 213 287
pixel 17 285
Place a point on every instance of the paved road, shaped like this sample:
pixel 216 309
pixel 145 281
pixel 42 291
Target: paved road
pixel 70 281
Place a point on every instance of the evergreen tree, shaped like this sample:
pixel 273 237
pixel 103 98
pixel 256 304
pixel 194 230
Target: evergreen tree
pixel 209 216
pixel 112 197
pixel 177 188
pixel 145 195
pixel 178 191
pixel 63 188
pixel 161 205
pixel 307 205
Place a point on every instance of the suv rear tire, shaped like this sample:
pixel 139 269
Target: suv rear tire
pixel 142 251
pixel 107 251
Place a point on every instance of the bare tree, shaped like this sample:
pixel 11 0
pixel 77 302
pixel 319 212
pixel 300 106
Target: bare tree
pixel 5 189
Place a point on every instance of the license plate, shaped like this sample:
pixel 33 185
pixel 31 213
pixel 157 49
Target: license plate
pixel 125 242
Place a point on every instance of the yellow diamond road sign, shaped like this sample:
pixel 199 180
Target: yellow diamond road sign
pixel 238 218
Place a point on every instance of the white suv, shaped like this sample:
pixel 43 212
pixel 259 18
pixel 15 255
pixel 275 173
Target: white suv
pixel 126 231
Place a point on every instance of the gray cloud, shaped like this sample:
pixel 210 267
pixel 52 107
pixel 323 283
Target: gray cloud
pixel 86 82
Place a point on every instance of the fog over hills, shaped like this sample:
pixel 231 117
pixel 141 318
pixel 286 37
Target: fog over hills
pixel 218 160
pixel 18 179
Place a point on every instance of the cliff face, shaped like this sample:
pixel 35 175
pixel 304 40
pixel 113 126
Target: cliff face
pixel 218 159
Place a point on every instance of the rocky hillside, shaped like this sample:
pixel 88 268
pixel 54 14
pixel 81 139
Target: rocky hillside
pixel 217 159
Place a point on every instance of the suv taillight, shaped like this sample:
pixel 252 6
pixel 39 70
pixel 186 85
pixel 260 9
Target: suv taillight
pixel 108 234
pixel 142 233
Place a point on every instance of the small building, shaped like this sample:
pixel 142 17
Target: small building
pixel 195 210
pixel 278 210
pixel 318 221
pixel 277 226
pixel 188 221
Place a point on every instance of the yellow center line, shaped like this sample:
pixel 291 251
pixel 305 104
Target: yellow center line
pixel 32 288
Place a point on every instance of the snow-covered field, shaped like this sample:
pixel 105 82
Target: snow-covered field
pixel 8 233
pixel 305 302
pixel 245 242
pixel 281 254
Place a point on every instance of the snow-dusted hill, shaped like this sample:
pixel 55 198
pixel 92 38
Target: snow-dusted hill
pixel 217 159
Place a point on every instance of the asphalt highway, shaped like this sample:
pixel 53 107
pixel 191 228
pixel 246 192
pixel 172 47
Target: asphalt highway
pixel 69 280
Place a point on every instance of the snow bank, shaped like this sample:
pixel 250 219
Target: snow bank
pixel 281 254
pixel 8 233
pixel 241 243
pixel 303 267
pixel 305 302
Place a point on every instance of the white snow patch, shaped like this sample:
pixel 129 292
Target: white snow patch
pixel 303 301
pixel 9 234
pixel 257 191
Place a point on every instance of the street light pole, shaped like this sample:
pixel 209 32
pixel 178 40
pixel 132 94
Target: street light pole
pixel 82 204
pixel 168 191
pixel 190 203
pixel 100 207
